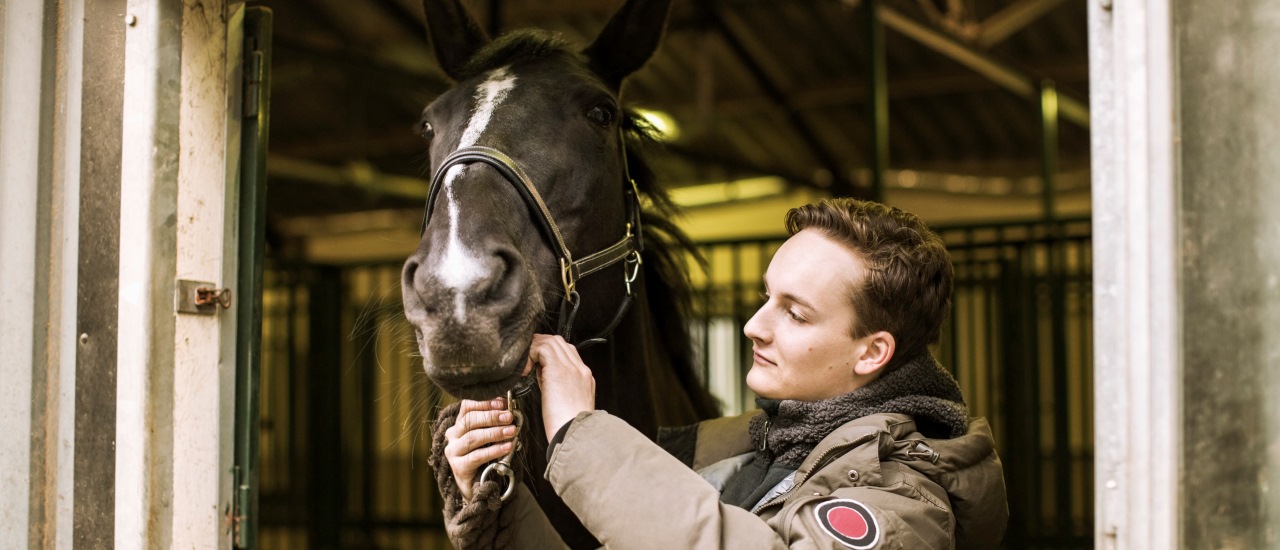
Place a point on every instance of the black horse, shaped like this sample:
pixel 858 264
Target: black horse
pixel 534 225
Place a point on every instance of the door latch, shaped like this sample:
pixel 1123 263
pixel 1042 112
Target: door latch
pixel 201 298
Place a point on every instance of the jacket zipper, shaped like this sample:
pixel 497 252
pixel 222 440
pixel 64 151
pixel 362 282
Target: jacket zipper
pixel 821 463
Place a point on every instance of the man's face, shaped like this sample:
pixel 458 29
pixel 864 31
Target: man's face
pixel 802 335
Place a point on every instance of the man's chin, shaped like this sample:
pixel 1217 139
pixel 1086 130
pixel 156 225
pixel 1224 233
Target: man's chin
pixel 760 387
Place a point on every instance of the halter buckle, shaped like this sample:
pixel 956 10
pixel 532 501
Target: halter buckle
pixel 567 278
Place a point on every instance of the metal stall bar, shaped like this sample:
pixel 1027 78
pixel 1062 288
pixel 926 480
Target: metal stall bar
pixel 878 106
pixel 1056 288
pixel 325 471
pixel 1048 147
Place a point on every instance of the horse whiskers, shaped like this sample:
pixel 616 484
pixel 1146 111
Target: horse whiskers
pixel 415 419
pixel 373 307
pixel 373 321
pixel 432 402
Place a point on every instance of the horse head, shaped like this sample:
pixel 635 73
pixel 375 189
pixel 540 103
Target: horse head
pixel 529 178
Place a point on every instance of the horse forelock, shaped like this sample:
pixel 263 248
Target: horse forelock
pixel 514 47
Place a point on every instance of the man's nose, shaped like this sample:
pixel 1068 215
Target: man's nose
pixel 754 329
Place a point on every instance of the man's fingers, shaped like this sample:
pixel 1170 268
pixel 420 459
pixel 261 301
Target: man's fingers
pixel 473 416
pixel 547 349
pixel 491 453
pixel 467 405
pixel 481 419
pixel 477 439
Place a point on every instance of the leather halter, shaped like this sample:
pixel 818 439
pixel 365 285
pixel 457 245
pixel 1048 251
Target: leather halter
pixel 627 249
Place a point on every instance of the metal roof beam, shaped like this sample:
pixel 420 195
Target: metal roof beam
pixel 743 166
pixel 1007 77
pixel 355 175
pixel 1011 19
pixel 841 184
pixel 852 92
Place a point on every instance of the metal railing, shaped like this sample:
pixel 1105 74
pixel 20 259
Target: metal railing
pixel 345 402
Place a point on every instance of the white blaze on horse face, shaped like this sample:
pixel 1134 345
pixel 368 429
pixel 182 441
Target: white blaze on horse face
pixel 461 268
pixel 489 94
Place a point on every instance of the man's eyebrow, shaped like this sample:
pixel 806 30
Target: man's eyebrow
pixel 798 300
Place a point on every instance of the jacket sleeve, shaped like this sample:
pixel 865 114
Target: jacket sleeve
pixel 867 517
pixel 632 494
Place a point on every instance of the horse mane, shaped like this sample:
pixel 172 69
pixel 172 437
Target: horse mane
pixel 666 248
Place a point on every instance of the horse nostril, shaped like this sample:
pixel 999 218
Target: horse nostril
pixel 411 286
pixel 410 269
pixel 507 279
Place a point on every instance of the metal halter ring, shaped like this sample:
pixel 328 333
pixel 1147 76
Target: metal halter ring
pixel 504 471
pixel 503 465
pixel 633 260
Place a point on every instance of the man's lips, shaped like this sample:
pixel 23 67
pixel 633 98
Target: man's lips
pixel 762 359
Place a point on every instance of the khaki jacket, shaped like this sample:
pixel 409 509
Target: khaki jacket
pixel 873 483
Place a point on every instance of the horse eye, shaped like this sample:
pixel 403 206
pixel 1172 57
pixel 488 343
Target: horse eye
pixel 600 115
pixel 427 131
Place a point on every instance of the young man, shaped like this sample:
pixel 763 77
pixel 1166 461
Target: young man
pixel 863 440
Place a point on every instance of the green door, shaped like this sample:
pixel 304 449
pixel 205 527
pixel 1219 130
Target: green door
pixel 253 199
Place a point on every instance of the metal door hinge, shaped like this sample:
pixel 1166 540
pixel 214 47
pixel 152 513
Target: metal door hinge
pixel 254 73
pixel 239 509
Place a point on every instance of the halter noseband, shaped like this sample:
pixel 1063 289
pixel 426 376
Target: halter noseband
pixel 627 249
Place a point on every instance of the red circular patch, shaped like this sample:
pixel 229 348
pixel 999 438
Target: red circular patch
pixel 847 522
pixel 850 522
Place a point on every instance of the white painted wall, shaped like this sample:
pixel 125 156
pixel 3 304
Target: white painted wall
pixel 20 81
pixel 148 213
pixel 200 359
pixel 64 253
pixel 174 430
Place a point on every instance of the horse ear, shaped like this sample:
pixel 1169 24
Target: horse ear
pixel 629 39
pixel 454 34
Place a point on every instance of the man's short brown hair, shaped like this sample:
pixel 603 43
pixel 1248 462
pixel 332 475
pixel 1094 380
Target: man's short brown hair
pixel 907 288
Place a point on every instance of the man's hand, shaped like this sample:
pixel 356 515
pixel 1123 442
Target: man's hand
pixel 567 385
pixel 483 432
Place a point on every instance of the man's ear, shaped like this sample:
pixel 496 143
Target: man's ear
pixel 877 351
